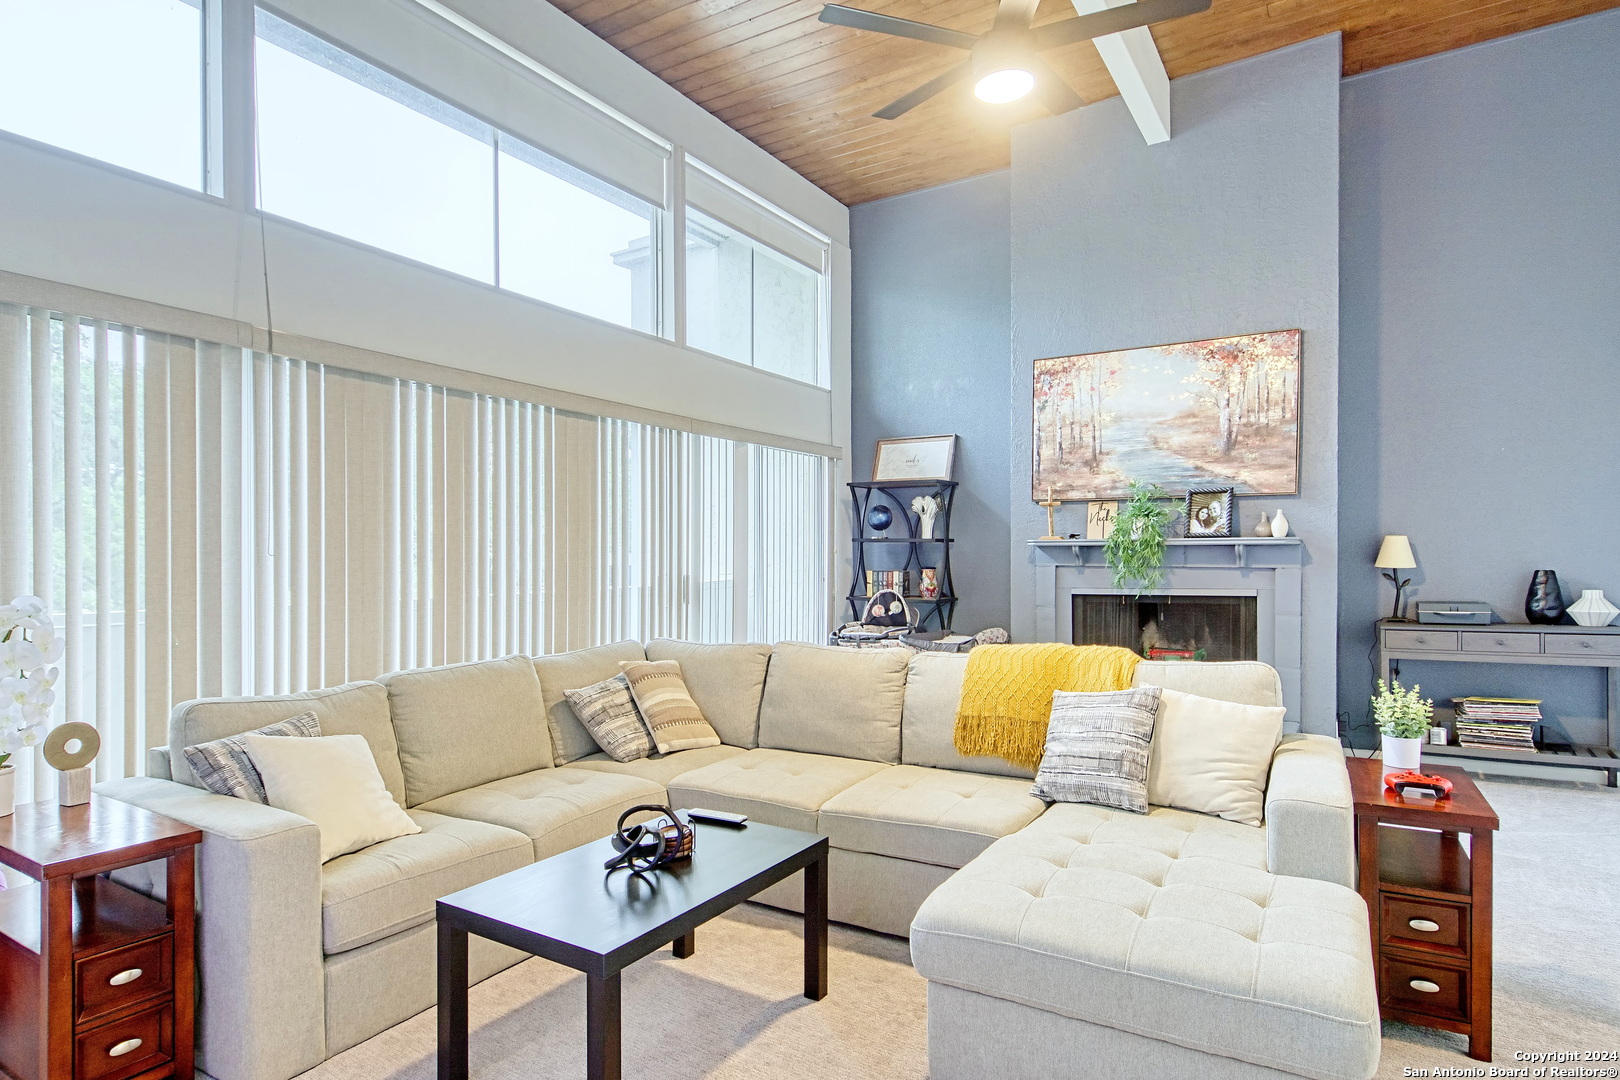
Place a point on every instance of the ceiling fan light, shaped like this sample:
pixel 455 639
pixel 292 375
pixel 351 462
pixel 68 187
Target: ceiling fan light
pixel 1005 85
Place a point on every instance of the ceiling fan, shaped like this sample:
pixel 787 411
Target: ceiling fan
pixel 1004 61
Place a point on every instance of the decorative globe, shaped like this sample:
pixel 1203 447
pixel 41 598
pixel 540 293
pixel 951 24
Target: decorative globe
pixel 879 518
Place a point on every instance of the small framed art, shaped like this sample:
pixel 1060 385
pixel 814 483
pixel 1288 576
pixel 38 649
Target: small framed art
pixel 899 461
pixel 1209 512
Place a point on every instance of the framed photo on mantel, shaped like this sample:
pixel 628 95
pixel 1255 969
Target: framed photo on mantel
pixel 901 461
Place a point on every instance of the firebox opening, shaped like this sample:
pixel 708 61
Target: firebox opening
pixel 1169 627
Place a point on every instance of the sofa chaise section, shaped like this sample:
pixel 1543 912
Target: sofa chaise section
pixel 1095 933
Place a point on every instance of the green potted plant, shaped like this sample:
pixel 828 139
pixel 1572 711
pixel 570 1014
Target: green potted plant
pixel 1135 549
pixel 1403 718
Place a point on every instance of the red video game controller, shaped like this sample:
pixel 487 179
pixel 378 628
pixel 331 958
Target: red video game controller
pixel 1411 780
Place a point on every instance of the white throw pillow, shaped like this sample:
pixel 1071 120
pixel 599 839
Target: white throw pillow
pixel 1213 757
pixel 333 781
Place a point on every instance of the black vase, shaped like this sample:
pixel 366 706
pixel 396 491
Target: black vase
pixel 1544 603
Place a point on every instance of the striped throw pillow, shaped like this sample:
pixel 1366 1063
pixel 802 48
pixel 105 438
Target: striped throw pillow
pixel 609 714
pixel 672 716
pixel 1097 748
pixel 223 766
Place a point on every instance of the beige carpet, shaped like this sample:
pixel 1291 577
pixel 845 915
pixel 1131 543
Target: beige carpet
pixel 733 1011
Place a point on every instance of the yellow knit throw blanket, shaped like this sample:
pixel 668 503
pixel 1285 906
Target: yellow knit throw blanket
pixel 1007 693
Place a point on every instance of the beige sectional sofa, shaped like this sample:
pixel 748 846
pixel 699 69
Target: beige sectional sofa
pixel 300 960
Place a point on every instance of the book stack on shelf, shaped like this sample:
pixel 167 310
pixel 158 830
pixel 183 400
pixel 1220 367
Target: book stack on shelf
pixel 879 580
pixel 1493 723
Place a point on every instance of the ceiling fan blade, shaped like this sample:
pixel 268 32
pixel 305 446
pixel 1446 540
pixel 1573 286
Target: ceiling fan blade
pixel 840 15
pixel 902 105
pixel 1051 91
pixel 1015 14
pixel 1113 20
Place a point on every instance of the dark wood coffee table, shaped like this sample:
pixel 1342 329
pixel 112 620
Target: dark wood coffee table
pixel 561 909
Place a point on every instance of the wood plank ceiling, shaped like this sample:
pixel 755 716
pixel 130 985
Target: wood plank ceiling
pixel 805 91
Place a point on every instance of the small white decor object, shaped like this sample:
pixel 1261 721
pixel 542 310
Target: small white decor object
pixel 926 507
pixel 69 749
pixel 1593 609
pixel 1263 528
pixel 1437 736
pixel 1404 720
pixel 1279 525
pixel 28 646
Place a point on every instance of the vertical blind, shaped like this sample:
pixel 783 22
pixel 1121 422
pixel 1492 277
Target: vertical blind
pixel 205 519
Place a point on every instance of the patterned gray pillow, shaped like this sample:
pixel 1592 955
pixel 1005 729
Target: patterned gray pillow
pixel 1097 748
pixel 609 713
pixel 223 766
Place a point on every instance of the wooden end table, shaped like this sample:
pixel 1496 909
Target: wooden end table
pixel 568 910
pixel 1428 899
pixel 98 980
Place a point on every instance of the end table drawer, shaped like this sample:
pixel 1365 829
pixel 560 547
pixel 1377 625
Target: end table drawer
pixel 1424 988
pixel 1423 924
pixel 125 1047
pixel 1584 644
pixel 1421 640
pixel 112 980
pixel 1513 644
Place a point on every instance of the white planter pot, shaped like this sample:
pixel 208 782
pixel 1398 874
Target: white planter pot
pixel 8 789
pixel 1593 609
pixel 1402 753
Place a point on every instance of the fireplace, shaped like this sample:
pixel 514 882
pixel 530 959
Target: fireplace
pixel 1237 598
pixel 1165 626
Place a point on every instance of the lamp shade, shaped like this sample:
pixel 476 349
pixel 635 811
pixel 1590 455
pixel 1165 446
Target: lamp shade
pixel 1395 554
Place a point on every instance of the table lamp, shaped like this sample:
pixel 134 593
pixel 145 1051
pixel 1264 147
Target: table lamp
pixel 1396 554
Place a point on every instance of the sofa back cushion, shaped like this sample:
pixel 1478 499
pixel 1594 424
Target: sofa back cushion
pixel 928 725
pixel 726 681
pixel 825 700
pixel 358 708
pixel 1247 682
pixel 562 672
pixel 463 725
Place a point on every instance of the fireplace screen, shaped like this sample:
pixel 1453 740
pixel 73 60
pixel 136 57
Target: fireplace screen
pixel 1169 627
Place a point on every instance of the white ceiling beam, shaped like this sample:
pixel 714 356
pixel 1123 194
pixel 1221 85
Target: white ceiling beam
pixel 1134 62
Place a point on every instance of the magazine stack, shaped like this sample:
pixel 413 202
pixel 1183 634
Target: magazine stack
pixel 1492 723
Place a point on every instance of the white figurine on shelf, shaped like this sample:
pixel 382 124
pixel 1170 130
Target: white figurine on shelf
pixel 926 507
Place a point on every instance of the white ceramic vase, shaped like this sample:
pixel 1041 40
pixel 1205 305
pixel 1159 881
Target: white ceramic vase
pixel 8 789
pixel 1593 609
pixel 1279 525
pixel 1402 753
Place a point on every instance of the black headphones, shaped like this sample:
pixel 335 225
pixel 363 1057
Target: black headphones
pixel 650 845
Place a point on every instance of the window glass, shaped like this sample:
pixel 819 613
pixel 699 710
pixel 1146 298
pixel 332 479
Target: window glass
pixel 572 240
pixel 117 80
pixel 348 148
pixel 747 302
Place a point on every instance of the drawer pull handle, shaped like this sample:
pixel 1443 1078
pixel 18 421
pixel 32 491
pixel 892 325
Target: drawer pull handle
pixel 124 978
pixel 1427 926
pixel 1425 986
pixel 126 1047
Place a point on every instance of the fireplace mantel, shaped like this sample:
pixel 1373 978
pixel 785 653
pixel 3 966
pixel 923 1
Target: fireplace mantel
pixel 1267 568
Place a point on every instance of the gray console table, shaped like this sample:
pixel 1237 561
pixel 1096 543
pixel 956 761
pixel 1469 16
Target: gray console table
pixel 1515 643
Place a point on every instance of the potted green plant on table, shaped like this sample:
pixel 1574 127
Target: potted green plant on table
pixel 28 644
pixel 1403 718
pixel 1135 549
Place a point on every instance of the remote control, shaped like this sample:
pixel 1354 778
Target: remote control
pixel 718 817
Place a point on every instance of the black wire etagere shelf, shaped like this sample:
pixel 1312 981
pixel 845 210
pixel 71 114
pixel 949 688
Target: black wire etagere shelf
pixel 922 552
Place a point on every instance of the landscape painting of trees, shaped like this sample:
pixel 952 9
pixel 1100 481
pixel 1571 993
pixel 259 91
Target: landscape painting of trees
pixel 1216 413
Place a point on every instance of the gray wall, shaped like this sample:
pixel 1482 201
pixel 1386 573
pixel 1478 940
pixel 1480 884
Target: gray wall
pixel 1231 227
pixel 931 308
pixel 1480 373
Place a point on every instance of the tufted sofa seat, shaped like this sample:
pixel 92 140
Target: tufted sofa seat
pixel 1166 928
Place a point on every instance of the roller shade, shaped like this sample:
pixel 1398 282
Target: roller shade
pixel 720 200
pixel 422 48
